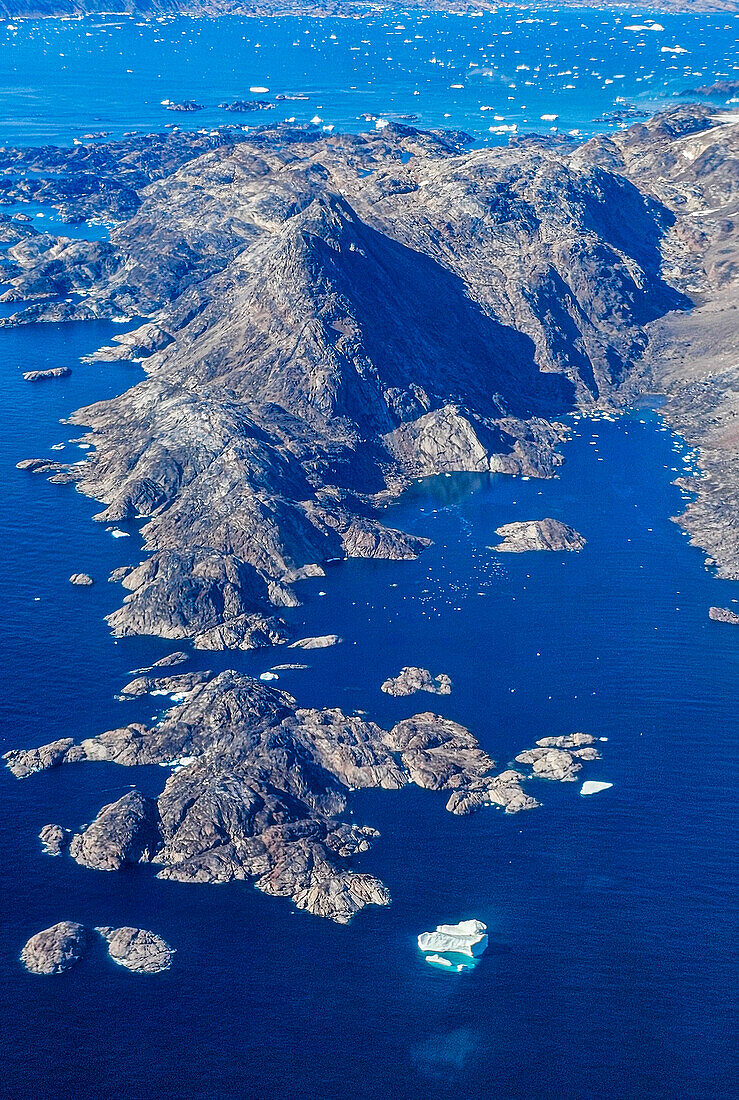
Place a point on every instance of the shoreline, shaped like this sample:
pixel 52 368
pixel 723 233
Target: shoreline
pixel 246 487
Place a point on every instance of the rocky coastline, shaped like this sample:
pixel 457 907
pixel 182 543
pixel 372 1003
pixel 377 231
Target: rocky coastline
pixel 335 317
pixel 259 786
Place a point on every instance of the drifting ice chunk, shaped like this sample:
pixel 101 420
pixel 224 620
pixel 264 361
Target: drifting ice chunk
pixel 591 787
pixel 469 937
pixel 450 962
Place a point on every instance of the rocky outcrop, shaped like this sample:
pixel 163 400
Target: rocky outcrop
pixel 137 949
pixel 54 839
pixel 560 758
pixel 322 642
pixel 56 949
pixel 187 106
pixel 170 661
pixel 179 684
pixel 126 831
pixel 411 679
pixel 24 762
pixel 44 375
pixel 542 534
pixel 83 579
pixel 259 787
pixel 723 615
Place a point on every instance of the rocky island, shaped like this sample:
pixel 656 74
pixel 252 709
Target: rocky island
pixel 59 948
pixel 335 317
pixel 542 534
pixel 410 680
pixel 55 949
pixel 259 785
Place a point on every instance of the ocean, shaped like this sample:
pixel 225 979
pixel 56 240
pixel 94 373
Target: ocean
pixel 61 79
pixel 610 971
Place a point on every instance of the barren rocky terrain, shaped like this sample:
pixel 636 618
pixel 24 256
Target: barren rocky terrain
pixel 324 319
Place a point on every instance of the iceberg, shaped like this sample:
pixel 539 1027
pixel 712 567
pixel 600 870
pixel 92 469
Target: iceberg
pixel 469 937
pixel 591 787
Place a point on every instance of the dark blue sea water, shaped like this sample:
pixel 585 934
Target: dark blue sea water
pixel 612 968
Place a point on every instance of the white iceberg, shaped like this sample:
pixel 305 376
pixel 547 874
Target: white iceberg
pixel 590 786
pixel 469 937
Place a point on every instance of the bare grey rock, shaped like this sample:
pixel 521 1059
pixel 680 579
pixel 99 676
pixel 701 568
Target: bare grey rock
pixel 179 684
pixel 24 762
pixel 542 534
pixel 54 839
pixel 45 375
pixel 411 679
pixel 322 642
pixel 327 334
pixel 81 578
pixel 170 661
pixel 126 831
pixel 723 615
pixel 56 949
pixel 560 758
pixel 137 949
pixel 260 787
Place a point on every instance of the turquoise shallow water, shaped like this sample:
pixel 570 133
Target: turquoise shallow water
pixel 611 970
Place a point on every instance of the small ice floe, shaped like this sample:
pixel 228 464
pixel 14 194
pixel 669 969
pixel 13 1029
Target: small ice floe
pixel 258 89
pixel 590 786
pixel 268 676
pixel 444 963
pixel 117 533
pixel 673 49
pixel 316 120
pixel 549 118
pixel 454 947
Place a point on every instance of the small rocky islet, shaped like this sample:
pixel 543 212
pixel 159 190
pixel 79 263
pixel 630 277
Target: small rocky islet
pixel 412 679
pixel 543 534
pixel 723 615
pixel 58 948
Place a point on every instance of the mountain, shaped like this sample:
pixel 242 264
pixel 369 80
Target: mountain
pixel 323 319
